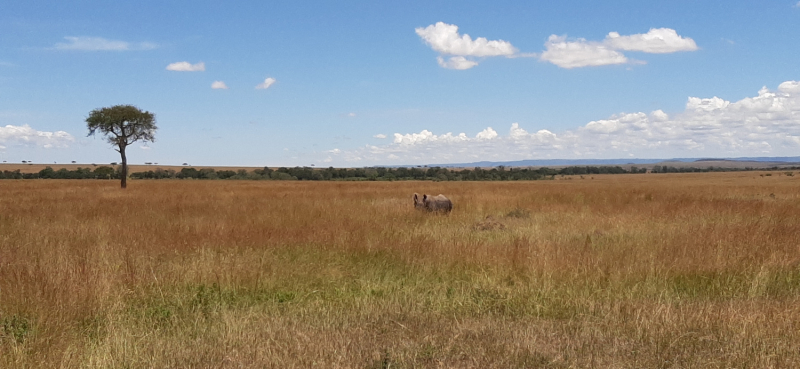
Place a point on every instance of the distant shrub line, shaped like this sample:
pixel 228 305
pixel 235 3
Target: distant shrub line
pixel 101 172
pixel 363 174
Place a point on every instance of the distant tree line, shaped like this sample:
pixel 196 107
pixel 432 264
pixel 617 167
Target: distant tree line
pixel 669 169
pixel 101 172
pixel 362 174
pixel 499 173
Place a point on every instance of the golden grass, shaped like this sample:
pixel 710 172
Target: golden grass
pixel 679 270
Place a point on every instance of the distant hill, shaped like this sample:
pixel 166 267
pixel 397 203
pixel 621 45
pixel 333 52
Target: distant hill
pixel 699 162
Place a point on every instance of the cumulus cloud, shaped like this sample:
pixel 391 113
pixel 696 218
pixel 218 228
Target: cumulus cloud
pixel 456 62
pixel 486 134
pixel 789 87
pixel 582 53
pixel 428 136
pixel 461 52
pixel 767 124
pixel 714 103
pixel 380 135
pixel 219 85
pixel 659 116
pixel 445 39
pixel 265 85
pixel 101 44
pixel 187 67
pixel 656 41
pixel 26 136
pixel 579 53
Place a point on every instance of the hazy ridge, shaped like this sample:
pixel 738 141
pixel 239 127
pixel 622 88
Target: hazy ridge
pixel 724 162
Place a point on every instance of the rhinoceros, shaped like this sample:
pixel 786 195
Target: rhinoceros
pixel 433 203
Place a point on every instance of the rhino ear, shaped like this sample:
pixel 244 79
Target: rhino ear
pixel 416 197
pixel 424 197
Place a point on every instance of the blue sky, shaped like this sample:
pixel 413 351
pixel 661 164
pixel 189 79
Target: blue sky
pixel 369 83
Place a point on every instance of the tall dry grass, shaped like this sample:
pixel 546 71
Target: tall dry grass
pixel 679 270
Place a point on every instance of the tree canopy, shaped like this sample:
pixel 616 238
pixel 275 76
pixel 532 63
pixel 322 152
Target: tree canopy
pixel 122 125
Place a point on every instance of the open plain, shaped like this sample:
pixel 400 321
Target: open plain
pixel 608 271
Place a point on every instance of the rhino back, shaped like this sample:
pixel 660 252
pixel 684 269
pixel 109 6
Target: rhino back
pixel 439 202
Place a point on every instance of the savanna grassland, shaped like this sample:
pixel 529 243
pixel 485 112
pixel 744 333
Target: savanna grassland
pixel 614 271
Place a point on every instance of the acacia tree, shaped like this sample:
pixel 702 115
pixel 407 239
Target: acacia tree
pixel 123 125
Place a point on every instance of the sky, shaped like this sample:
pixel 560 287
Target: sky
pixel 364 83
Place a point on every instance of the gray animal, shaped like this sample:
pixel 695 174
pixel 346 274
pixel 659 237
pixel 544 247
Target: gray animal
pixel 433 203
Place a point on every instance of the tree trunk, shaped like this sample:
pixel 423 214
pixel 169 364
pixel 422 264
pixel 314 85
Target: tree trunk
pixel 124 178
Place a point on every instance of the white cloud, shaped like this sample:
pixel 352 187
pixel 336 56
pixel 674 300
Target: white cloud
pixel 101 44
pixel 582 53
pixel 456 62
pixel 187 67
pixel 656 41
pixel 444 38
pixel 427 136
pixel 412 138
pixel 460 51
pixel 267 82
pixel 789 87
pixel 764 125
pixel 219 85
pixel 380 135
pixel 579 53
pixel 486 134
pixel 714 103
pixel 27 136
pixel 659 116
